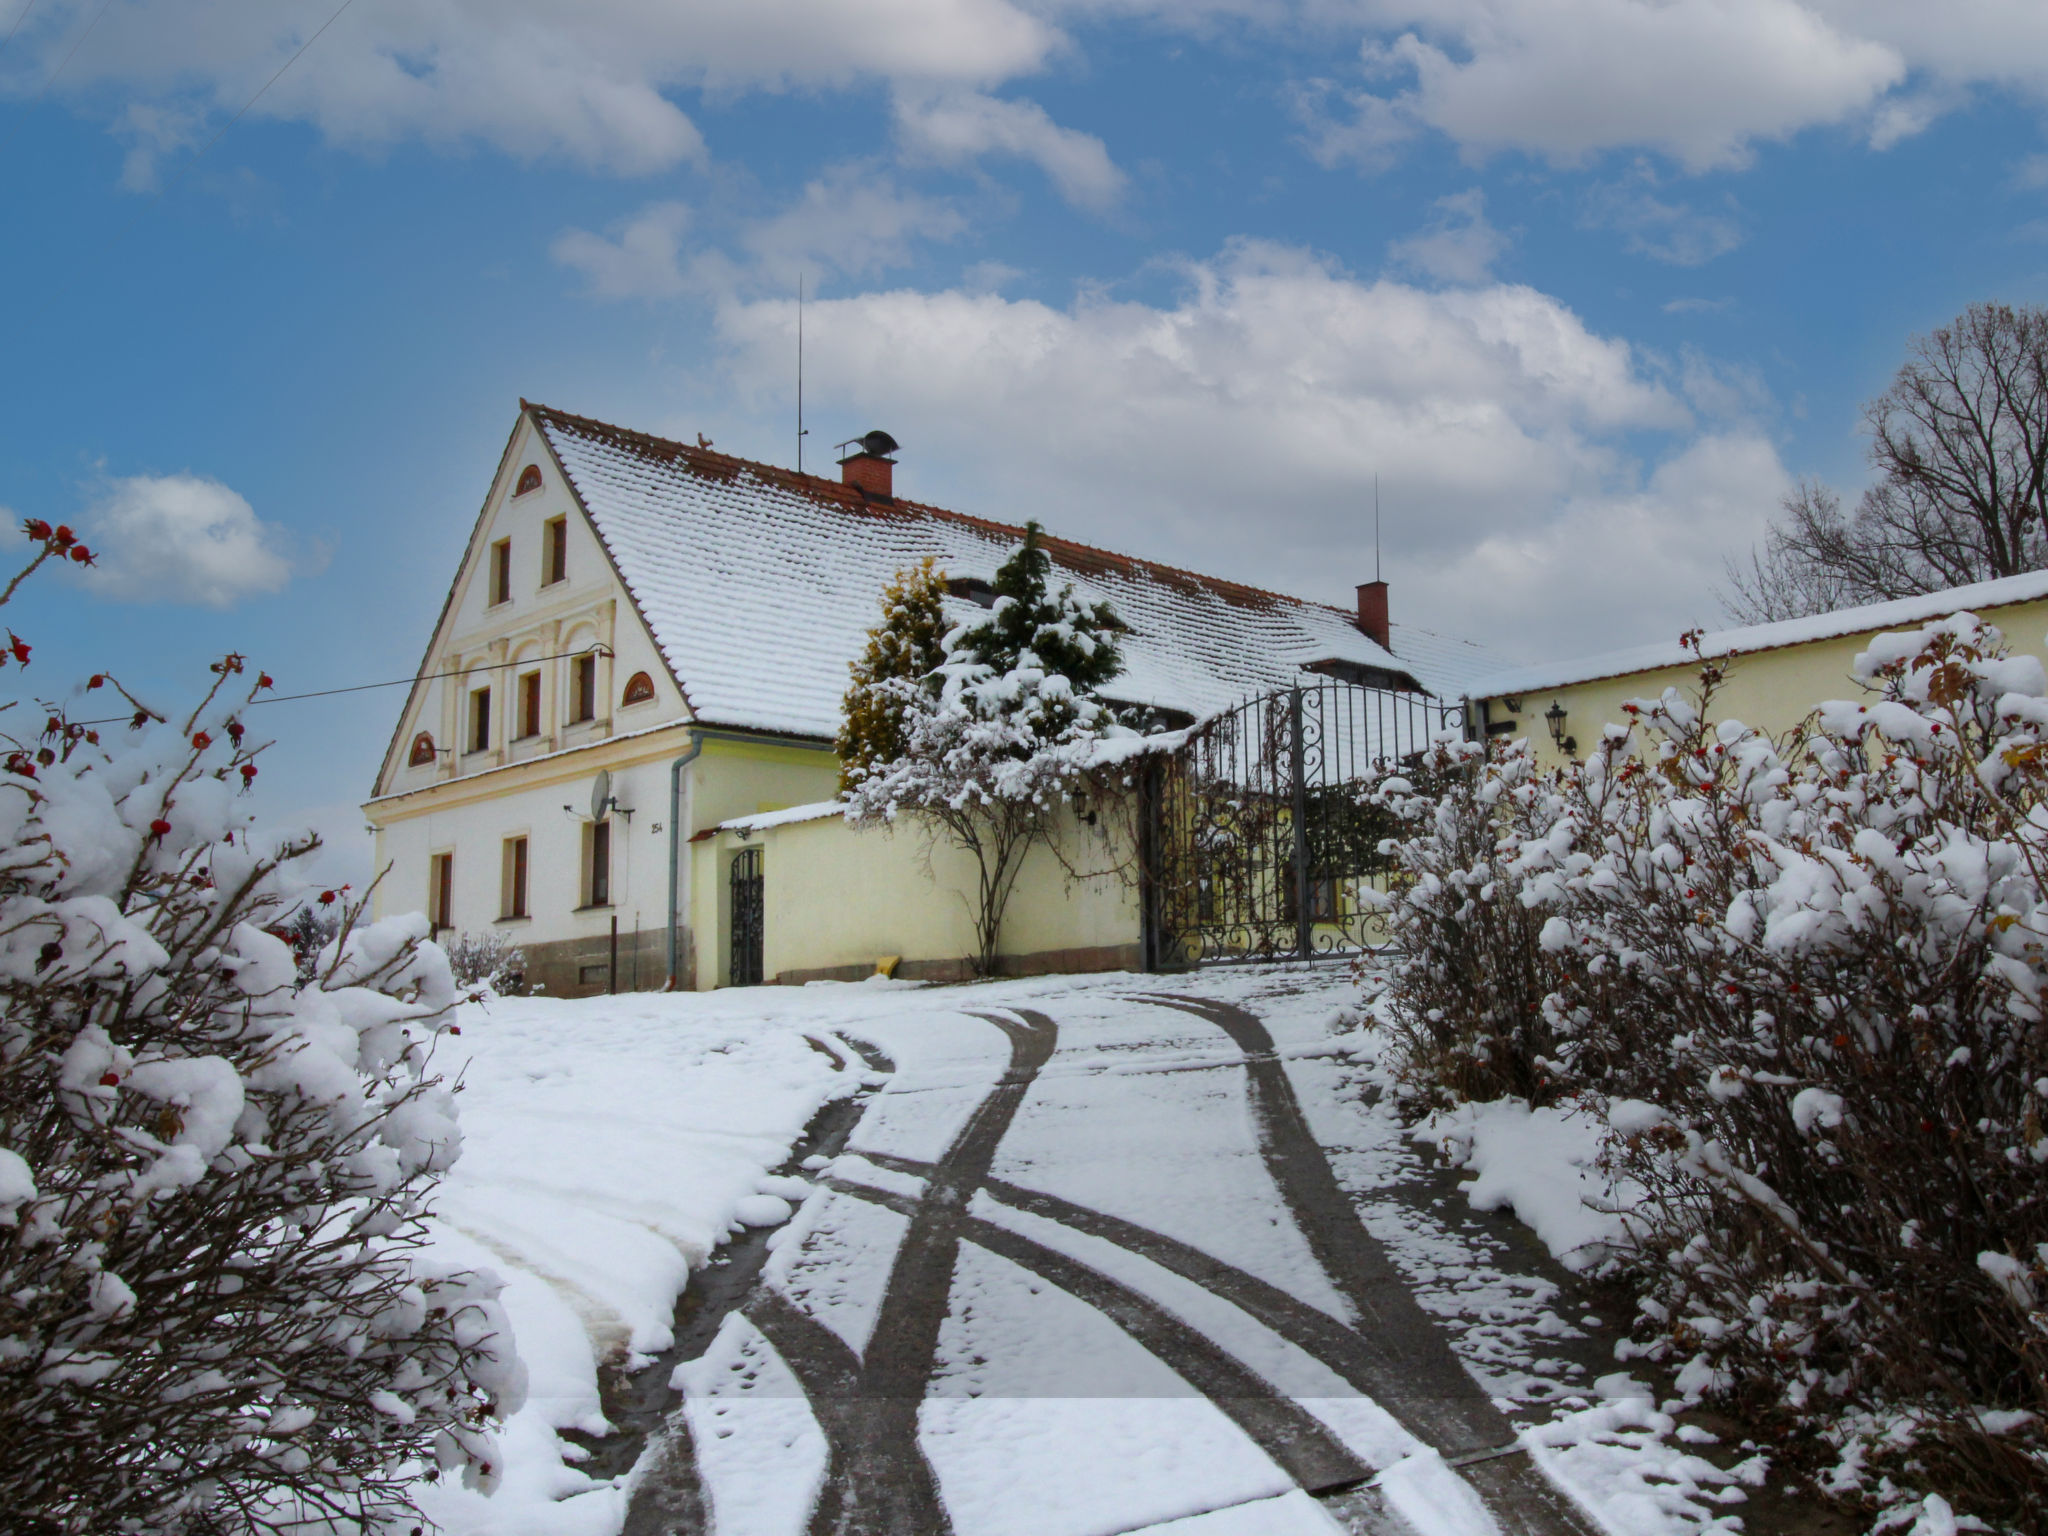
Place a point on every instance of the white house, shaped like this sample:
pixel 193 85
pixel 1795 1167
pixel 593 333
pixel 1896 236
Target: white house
pixel 678 623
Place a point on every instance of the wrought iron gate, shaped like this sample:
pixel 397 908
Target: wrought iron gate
pixel 1259 838
pixel 747 887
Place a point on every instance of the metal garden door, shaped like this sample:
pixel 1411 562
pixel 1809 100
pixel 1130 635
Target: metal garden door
pixel 1260 841
pixel 747 911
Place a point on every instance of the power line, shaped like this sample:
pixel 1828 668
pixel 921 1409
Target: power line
pixel 19 17
pixel 396 682
pixel 184 167
pixel 287 64
pixel 51 79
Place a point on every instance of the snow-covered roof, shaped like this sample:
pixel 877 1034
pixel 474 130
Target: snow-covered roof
pixel 760 585
pixel 817 810
pixel 1516 681
pixel 1441 663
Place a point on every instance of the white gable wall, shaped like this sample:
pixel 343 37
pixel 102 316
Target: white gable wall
pixel 478 639
pixel 518 786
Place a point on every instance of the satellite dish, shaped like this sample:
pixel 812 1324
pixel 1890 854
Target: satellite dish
pixel 601 795
pixel 879 443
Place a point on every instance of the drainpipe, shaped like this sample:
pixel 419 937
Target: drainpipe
pixel 675 842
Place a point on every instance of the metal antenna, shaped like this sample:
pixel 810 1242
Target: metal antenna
pixel 799 373
pixel 1375 525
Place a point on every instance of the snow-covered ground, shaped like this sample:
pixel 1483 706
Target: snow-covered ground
pixel 611 1143
pixel 607 1147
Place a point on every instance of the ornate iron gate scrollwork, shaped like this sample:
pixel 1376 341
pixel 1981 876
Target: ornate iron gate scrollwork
pixel 1258 836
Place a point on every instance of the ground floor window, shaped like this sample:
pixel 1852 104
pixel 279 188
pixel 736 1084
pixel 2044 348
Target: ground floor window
pixel 514 903
pixel 597 864
pixel 441 891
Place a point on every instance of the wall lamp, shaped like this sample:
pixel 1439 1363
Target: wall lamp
pixel 1555 717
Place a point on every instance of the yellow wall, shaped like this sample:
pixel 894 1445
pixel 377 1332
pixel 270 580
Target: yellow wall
pixel 836 899
pixel 1772 690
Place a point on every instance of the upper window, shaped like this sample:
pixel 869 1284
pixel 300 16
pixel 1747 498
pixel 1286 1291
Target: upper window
pixel 583 689
pixel 422 751
pixel 639 689
pixel 529 704
pixel 501 572
pixel 555 557
pixel 479 719
pixel 529 480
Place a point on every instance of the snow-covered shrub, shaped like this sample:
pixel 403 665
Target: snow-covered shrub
pixel 1804 982
pixel 1469 977
pixel 488 964
pixel 310 928
pixel 214 1312
pixel 992 745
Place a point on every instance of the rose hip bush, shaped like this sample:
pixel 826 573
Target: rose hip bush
pixel 1803 981
pixel 215 1310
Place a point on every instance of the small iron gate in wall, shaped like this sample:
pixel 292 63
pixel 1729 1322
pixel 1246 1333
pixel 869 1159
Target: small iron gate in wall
pixel 747 905
pixel 1259 838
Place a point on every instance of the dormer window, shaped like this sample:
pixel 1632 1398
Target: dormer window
pixel 639 689
pixel 529 480
pixel 974 589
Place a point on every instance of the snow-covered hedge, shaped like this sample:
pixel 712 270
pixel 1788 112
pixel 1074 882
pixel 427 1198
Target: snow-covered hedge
pixel 1803 983
pixel 214 1314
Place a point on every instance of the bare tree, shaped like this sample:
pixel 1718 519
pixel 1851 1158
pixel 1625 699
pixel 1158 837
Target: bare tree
pixel 1960 446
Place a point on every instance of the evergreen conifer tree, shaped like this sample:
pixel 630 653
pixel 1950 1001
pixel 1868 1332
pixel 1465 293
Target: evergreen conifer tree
pixel 991 743
pixel 902 660
pixel 1034 627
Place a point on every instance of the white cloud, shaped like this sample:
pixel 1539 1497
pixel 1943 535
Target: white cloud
pixel 849 221
pixel 1699 80
pixel 959 126
pixel 183 539
pixel 1237 429
pixel 639 262
pixel 1606 571
pixel 1458 246
pixel 587 81
pixel 1673 232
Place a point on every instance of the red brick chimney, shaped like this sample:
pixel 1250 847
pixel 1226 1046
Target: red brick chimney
pixel 1372 613
pixel 870 470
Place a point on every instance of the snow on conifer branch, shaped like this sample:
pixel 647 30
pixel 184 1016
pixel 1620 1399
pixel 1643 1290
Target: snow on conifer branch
pixel 994 734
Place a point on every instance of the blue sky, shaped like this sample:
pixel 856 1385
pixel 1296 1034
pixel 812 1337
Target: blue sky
pixel 1585 282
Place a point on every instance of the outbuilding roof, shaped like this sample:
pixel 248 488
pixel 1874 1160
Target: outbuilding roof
pixel 1516 681
pixel 760 585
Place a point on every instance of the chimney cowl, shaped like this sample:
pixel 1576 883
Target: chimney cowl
pixel 869 469
pixel 1372 614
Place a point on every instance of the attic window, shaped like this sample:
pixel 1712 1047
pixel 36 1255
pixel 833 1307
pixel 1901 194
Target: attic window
pixel 639 689
pixel 422 751
pixel 974 589
pixel 1361 674
pixel 529 480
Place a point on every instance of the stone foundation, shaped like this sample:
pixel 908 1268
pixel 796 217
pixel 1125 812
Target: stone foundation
pixel 581 967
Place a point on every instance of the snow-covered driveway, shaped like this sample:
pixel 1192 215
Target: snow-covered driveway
pixel 1085 1267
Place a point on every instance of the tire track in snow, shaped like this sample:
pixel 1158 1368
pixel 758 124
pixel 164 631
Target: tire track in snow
pixel 1422 1384
pixel 1295 1439
pixel 878 1482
